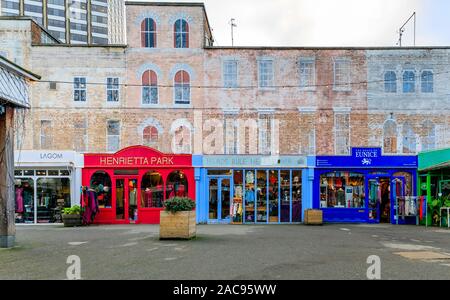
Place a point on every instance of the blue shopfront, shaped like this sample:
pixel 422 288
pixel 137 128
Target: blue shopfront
pixel 365 187
pixel 253 189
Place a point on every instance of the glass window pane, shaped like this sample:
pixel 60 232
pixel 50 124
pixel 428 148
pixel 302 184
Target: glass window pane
pixel 249 196
pixel 24 200
pixel 53 172
pixel 177 185
pixel 285 193
pixel 152 190
pixel 53 195
pixel 101 184
pixel 261 196
pixel 237 208
pixel 120 199
pixel 296 196
pixel 342 190
pixel 28 172
pixel 274 207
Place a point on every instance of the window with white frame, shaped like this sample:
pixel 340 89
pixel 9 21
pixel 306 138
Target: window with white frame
pixel 182 88
pixel 409 81
pixel 182 140
pixel 112 89
pixel 80 135
pixel 429 136
pixel 150 137
pixel 79 89
pixel 46 135
pixel 427 82
pixel 390 137
pixel 342 133
pixel 230 73
pixel 230 134
pixel 113 139
pixel 390 82
pixel 150 87
pixel 342 74
pixel 307 73
pixel 265 71
pixel 409 139
pixel 265 126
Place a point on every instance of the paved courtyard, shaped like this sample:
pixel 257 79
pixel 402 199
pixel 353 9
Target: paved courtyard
pixel 230 252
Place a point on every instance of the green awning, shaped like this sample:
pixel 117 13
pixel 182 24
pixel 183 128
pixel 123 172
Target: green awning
pixel 434 160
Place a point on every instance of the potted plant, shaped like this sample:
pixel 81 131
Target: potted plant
pixel 72 216
pixel 178 219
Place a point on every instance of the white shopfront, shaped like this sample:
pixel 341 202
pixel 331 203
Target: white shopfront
pixel 45 183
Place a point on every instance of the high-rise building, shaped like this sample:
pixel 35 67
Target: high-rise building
pixel 74 21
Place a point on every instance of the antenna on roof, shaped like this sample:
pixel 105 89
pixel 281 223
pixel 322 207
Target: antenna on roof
pixel 402 29
pixel 232 24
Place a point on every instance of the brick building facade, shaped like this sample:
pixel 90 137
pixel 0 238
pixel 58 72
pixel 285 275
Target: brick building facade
pixel 171 89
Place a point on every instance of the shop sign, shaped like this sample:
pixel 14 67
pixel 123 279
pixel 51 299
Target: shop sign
pixel 45 157
pixel 139 157
pixel 253 161
pixel 367 158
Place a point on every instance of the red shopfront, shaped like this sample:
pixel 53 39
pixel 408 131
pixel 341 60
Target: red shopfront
pixel 132 184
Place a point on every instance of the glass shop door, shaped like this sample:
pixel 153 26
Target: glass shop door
pixel 126 200
pixel 219 195
pixel 374 199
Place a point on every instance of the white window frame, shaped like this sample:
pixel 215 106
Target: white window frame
pixel 151 87
pixel 303 79
pixel 79 89
pixel 182 86
pixel 415 81
pixel 114 88
pixel 265 133
pixel 41 136
pixel 269 82
pixel 432 82
pixel 336 131
pixel 230 80
pixel 385 82
pixel 342 86
pixel 108 136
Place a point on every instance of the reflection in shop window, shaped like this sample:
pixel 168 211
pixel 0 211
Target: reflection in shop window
pixel 53 195
pixel 408 182
pixel 273 197
pixel 342 190
pixel 249 197
pixel 296 196
pixel 261 197
pixel 101 184
pixel 24 196
pixel 285 196
pixel 177 185
pixel 152 190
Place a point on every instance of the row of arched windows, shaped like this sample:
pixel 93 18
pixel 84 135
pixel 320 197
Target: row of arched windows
pixel 149 33
pixel 409 140
pixel 182 87
pixel 409 81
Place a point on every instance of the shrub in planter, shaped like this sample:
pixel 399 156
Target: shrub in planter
pixel 72 216
pixel 178 219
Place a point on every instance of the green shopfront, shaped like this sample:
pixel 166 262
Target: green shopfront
pixel 252 189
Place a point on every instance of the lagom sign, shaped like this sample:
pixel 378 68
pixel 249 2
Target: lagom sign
pixel 367 158
pixel 52 156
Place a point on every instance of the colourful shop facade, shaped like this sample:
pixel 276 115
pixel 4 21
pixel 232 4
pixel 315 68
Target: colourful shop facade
pixel 132 184
pixel 366 187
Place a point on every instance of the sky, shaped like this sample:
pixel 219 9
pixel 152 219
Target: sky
pixel 328 22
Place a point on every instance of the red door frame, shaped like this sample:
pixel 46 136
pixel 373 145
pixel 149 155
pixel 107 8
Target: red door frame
pixel 181 163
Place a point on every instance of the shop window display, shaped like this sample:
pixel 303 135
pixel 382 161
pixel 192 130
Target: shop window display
pixel 53 194
pixel 101 184
pixel 152 190
pixel 342 190
pixel 24 196
pixel 249 197
pixel 285 184
pixel 273 197
pixel 177 185
pixel 261 197
pixel 296 196
pixel 237 207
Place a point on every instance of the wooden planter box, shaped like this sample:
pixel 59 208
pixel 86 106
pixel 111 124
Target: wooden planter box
pixel 313 217
pixel 72 220
pixel 178 226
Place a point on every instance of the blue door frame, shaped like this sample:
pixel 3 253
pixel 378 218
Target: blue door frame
pixel 220 179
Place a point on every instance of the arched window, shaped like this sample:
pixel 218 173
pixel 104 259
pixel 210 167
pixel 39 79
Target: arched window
pixel 181 34
pixel 409 82
pixel 429 136
pixel 390 137
pixel 148 33
pixel 177 185
pixel 409 139
pixel 182 140
pixel 182 88
pixel 150 136
pixel 101 183
pixel 149 87
pixel 427 82
pixel 390 82
pixel 152 190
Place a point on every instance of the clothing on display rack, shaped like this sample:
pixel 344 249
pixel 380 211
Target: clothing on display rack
pixel 249 196
pixel 90 205
pixel 19 200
